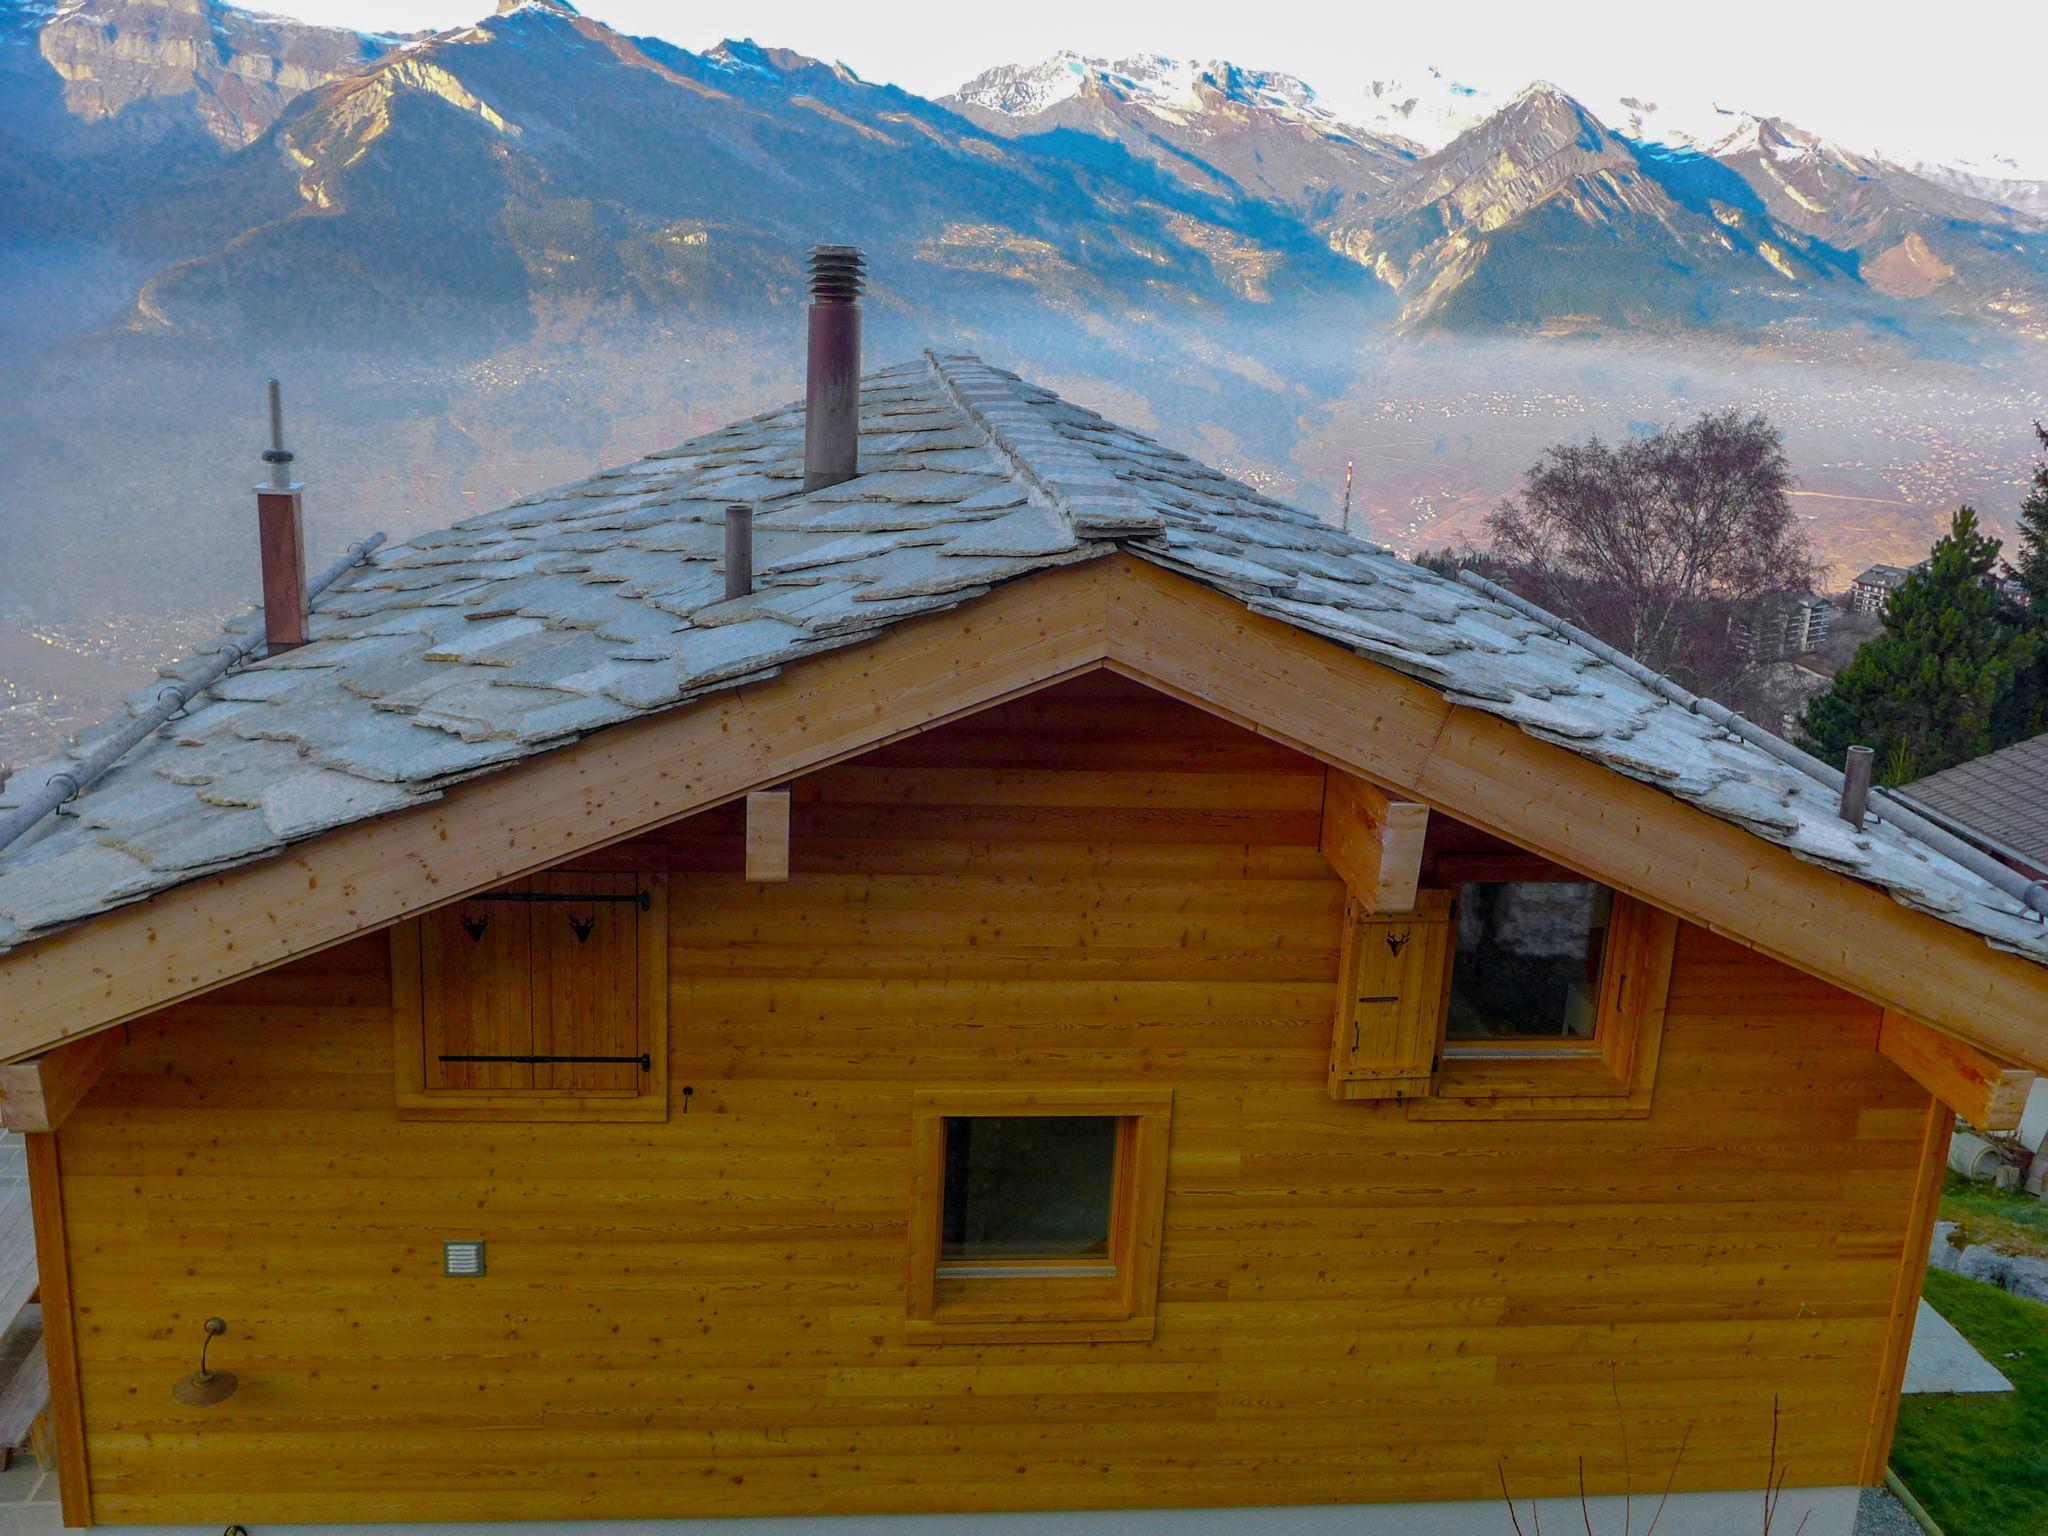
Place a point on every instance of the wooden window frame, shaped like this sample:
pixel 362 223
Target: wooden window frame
pixel 1041 1309
pixel 417 1101
pixel 1613 1075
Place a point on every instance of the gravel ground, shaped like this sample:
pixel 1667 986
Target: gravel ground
pixel 1882 1515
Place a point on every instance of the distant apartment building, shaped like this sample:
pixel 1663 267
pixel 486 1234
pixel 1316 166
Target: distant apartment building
pixel 1869 592
pixel 1788 624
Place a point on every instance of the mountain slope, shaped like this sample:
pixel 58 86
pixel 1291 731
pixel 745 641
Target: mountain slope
pixel 540 158
pixel 231 70
pixel 103 105
pixel 1916 239
pixel 1540 215
pixel 1216 126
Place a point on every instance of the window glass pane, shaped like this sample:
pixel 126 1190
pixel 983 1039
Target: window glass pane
pixel 1028 1186
pixel 1528 961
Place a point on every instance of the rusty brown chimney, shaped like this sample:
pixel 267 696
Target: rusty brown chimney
pixel 281 539
pixel 832 382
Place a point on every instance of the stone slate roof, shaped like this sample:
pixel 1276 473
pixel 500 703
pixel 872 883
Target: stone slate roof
pixel 466 649
pixel 2002 795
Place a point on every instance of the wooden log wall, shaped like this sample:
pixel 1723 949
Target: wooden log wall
pixel 704 1316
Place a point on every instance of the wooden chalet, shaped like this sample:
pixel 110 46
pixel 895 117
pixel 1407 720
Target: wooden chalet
pixel 1031 978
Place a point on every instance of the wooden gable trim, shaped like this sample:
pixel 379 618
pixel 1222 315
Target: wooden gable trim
pixel 1164 630
pixel 603 789
pixel 36 1095
pixel 1374 840
pixel 1989 1094
pixel 1350 713
pixel 60 1331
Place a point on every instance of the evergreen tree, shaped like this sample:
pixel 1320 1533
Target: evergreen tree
pixel 1934 688
pixel 2032 558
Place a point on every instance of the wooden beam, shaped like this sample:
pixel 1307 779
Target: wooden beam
pixel 36 1095
pixel 60 1335
pixel 768 834
pixel 1374 840
pixel 1496 868
pixel 1906 1288
pixel 1989 1094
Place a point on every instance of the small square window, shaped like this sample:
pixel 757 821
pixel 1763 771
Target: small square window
pixel 1036 1214
pixel 1528 962
pixel 1554 1003
pixel 1029 1190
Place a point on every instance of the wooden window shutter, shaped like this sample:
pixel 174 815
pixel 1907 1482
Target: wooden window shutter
pixel 559 964
pixel 475 964
pixel 586 983
pixel 1393 992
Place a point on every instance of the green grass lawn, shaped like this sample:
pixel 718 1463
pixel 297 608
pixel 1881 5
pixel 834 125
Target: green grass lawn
pixel 2010 1220
pixel 1980 1463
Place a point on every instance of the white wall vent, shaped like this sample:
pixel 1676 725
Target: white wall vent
pixel 463 1258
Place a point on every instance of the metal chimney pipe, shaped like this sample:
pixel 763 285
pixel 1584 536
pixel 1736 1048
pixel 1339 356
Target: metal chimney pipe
pixel 832 376
pixel 281 541
pixel 739 550
pixel 1856 785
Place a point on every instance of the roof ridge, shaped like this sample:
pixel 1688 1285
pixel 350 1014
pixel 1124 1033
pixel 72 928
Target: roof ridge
pixel 1068 473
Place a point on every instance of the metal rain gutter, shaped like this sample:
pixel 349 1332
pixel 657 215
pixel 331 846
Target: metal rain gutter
pixel 2031 894
pixel 174 697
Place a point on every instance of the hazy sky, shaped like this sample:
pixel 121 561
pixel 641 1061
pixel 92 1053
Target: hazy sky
pixel 1956 79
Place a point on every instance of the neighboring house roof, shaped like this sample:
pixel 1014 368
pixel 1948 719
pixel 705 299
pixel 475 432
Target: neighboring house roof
pixel 1883 576
pixel 461 651
pixel 2002 796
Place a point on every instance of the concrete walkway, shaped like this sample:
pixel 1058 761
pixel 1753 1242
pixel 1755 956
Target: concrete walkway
pixel 1942 1360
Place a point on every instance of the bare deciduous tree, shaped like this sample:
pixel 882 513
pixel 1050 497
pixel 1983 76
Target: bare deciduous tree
pixel 1660 544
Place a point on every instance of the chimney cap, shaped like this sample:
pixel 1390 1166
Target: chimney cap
pixel 837 273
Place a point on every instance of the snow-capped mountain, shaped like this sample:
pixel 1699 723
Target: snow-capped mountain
pixel 1541 215
pixel 1423 108
pixel 1996 184
pixel 1423 104
pixel 1215 126
pixel 1172 88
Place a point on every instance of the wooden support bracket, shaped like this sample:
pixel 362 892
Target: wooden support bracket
pixel 1374 840
pixel 1988 1093
pixel 36 1095
pixel 768 834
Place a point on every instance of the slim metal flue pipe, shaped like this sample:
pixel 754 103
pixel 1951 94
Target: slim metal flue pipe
pixel 1856 785
pixel 279 457
pixel 832 372
pixel 739 550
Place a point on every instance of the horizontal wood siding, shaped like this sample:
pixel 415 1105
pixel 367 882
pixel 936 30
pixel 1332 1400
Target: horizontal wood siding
pixel 705 1316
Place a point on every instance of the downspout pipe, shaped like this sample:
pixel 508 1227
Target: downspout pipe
pixel 2031 894
pixel 81 775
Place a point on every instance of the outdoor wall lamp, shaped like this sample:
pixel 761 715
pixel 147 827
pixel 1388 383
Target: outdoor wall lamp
pixel 204 1388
